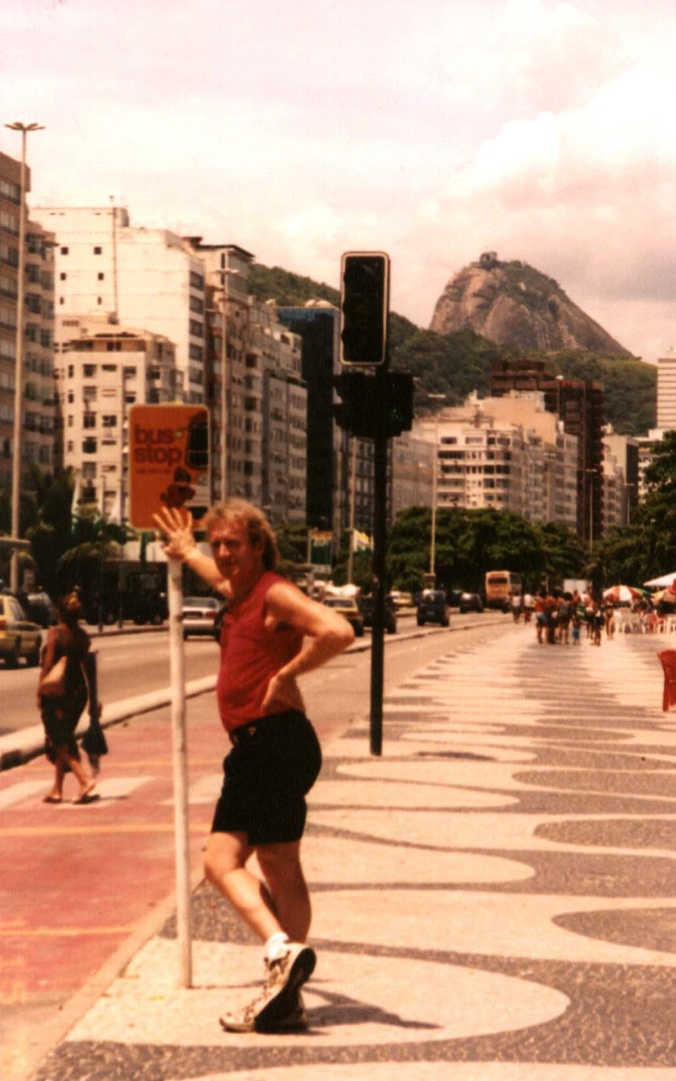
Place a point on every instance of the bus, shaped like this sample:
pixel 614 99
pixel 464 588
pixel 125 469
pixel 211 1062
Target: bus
pixel 501 586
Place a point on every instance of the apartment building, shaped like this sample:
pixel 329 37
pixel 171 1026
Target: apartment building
pixel 284 475
pixel 38 322
pixel 146 278
pixel 580 405
pixel 231 367
pixel 254 390
pixel 340 475
pixel 100 371
pixel 505 454
pixel 622 454
pixel 413 461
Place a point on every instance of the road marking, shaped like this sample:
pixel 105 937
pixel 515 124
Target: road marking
pixel 65 932
pixel 21 791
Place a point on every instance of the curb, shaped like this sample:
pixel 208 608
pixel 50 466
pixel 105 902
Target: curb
pixel 17 748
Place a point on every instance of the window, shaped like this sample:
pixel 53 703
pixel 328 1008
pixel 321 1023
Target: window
pixel 89 370
pixel 109 420
pixel 100 276
pixel 89 445
pixel 64 251
pixel 63 276
pixel 89 420
pixel 97 251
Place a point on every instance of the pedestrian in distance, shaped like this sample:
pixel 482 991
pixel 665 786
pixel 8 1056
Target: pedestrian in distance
pixel 62 704
pixel 540 615
pixel 271 634
pixel 598 623
pixel 565 614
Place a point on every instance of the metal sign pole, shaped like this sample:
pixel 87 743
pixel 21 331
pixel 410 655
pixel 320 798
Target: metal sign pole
pixel 180 758
pixel 380 444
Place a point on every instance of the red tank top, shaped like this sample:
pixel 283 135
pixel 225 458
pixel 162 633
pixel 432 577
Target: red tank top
pixel 251 654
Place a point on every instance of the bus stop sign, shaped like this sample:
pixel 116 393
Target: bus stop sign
pixel 168 460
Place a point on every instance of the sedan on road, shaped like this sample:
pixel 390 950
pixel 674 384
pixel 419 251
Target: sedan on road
pixel 471 602
pixel 19 637
pixel 348 608
pixel 367 605
pixel 433 608
pixel 201 616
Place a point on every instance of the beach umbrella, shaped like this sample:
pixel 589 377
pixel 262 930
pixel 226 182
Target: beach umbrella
pixel 663 582
pixel 622 594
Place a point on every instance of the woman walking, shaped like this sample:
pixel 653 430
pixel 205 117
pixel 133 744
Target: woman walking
pixel 61 705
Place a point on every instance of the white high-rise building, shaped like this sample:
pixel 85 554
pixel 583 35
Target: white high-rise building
pixel 146 278
pixel 38 325
pixel 101 370
pixel 666 392
pixel 505 453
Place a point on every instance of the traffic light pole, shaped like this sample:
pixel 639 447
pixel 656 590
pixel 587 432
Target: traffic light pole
pixel 379 551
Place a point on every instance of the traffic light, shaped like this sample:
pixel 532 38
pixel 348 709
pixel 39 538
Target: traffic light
pixel 396 411
pixel 364 307
pixel 374 406
pixel 349 413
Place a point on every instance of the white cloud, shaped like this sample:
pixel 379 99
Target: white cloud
pixel 539 128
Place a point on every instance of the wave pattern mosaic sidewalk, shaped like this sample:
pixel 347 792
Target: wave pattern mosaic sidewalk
pixel 494 896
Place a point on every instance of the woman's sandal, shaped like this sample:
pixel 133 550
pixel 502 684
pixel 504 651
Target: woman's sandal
pixel 87 797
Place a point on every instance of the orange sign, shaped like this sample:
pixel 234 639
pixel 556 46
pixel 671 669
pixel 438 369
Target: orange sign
pixel 168 460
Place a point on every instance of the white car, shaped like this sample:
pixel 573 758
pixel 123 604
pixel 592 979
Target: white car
pixel 401 600
pixel 200 616
pixel 19 637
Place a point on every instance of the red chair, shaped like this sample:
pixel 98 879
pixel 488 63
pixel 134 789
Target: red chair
pixel 668 659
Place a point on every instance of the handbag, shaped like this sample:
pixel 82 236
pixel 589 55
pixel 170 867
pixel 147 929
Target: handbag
pixel 94 742
pixel 53 684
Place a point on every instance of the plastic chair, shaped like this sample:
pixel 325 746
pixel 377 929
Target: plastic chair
pixel 668 659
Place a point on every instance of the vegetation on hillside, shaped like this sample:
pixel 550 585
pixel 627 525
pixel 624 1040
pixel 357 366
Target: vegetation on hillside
pixel 458 363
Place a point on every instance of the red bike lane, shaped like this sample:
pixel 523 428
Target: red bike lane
pixel 77 881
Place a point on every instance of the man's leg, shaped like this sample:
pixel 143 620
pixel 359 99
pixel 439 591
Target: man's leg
pixel 224 865
pixel 279 1005
pixel 281 868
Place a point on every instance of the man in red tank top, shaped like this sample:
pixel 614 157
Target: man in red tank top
pixel 271 634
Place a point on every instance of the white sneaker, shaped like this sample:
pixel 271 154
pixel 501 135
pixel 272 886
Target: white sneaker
pixel 279 1007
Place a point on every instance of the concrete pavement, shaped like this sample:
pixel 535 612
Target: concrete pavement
pixel 494 896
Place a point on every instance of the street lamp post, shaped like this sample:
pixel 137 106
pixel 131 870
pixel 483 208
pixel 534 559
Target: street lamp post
pixel 591 473
pixel 435 466
pixel 225 273
pixel 18 389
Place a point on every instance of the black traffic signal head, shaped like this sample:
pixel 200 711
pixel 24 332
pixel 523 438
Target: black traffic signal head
pixel 372 406
pixel 364 307
pixel 396 410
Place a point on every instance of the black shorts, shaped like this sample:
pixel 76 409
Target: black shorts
pixel 273 764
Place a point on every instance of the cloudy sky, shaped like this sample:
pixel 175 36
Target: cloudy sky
pixel 431 129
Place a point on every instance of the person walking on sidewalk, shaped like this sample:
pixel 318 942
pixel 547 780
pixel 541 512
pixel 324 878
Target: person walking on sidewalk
pixel 271 634
pixel 61 712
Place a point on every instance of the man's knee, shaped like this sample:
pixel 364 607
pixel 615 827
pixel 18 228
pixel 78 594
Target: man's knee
pixel 225 853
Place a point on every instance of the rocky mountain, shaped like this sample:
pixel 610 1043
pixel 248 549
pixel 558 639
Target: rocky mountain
pixel 511 303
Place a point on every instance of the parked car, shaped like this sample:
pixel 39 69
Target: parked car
pixel 471 602
pixel 19 637
pixel 401 599
pixel 433 608
pixel 348 607
pixel 201 616
pixel 366 605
